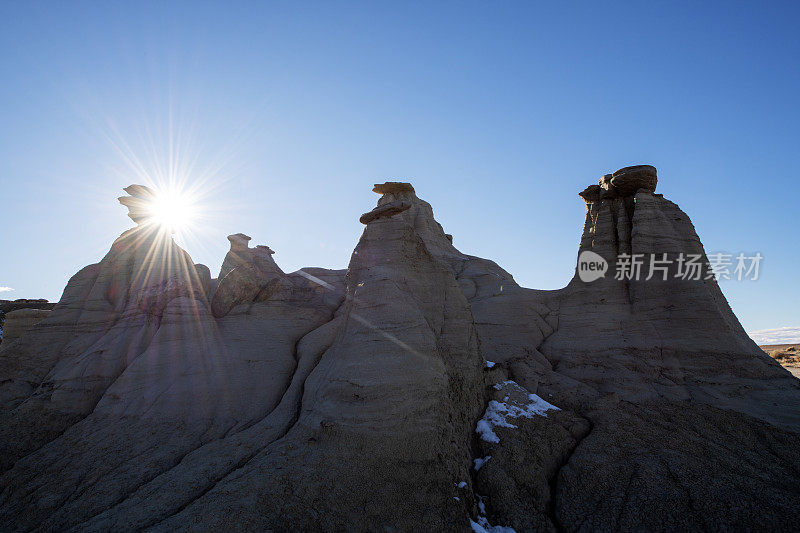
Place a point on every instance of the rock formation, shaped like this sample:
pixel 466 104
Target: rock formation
pixel 18 322
pixel 139 202
pixel 420 389
pixel 248 275
pixel 629 180
pixel 31 312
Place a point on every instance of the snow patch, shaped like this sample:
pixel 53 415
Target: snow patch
pixel 483 526
pixel 489 364
pixel 525 404
pixel 480 461
pixel 462 485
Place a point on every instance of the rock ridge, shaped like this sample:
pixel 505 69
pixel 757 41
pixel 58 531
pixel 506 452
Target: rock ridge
pixel 154 396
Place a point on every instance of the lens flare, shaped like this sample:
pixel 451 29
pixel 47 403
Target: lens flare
pixel 172 210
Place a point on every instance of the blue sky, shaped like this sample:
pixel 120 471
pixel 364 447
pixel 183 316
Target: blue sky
pixel 285 114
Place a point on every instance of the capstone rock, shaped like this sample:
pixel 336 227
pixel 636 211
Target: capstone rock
pixel 627 181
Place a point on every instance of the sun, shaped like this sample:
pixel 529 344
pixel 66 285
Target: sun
pixel 171 210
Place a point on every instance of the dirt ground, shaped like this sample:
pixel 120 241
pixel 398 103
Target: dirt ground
pixel 788 355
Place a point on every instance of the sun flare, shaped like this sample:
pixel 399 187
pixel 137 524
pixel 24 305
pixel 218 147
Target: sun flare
pixel 172 210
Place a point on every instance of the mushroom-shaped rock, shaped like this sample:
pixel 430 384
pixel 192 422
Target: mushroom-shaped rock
pixel 591 193
pixel 239 242
pixel 385 211
pixel 247 275
pixel 392 187
pixel 627 181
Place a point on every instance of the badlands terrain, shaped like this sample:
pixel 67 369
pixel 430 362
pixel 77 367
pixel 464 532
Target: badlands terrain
pixel 420 389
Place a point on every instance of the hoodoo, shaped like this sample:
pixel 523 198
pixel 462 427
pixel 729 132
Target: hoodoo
pixel 420 389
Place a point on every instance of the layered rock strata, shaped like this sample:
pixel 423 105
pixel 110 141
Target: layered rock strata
pixel 420 389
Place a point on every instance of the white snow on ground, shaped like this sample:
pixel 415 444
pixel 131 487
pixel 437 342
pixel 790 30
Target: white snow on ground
pixel 517 402
pixel 481 505
pixel 480 461
pixel 498 413
pixel 462 485
pixel 489 364
pixel 483 526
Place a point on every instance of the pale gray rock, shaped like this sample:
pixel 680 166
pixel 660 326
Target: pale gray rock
pixel 57 372
pixel 348 399
pixel 394 398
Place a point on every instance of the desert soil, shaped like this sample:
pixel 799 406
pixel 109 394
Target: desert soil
pixel 788 355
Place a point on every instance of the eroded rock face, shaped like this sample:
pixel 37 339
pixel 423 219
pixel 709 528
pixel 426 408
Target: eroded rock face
pixel 9 306
pixel 18 322
pixel 248 275
pixel 418 390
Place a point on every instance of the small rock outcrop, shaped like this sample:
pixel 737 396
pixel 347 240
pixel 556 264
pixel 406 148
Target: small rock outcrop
pixel 627 181
pixel 396 198
pixel 623 183
pixel 139 202
pixel 247 275
pixel 592 193
pixel 393 187
pixel 384 211
pixel 9 306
